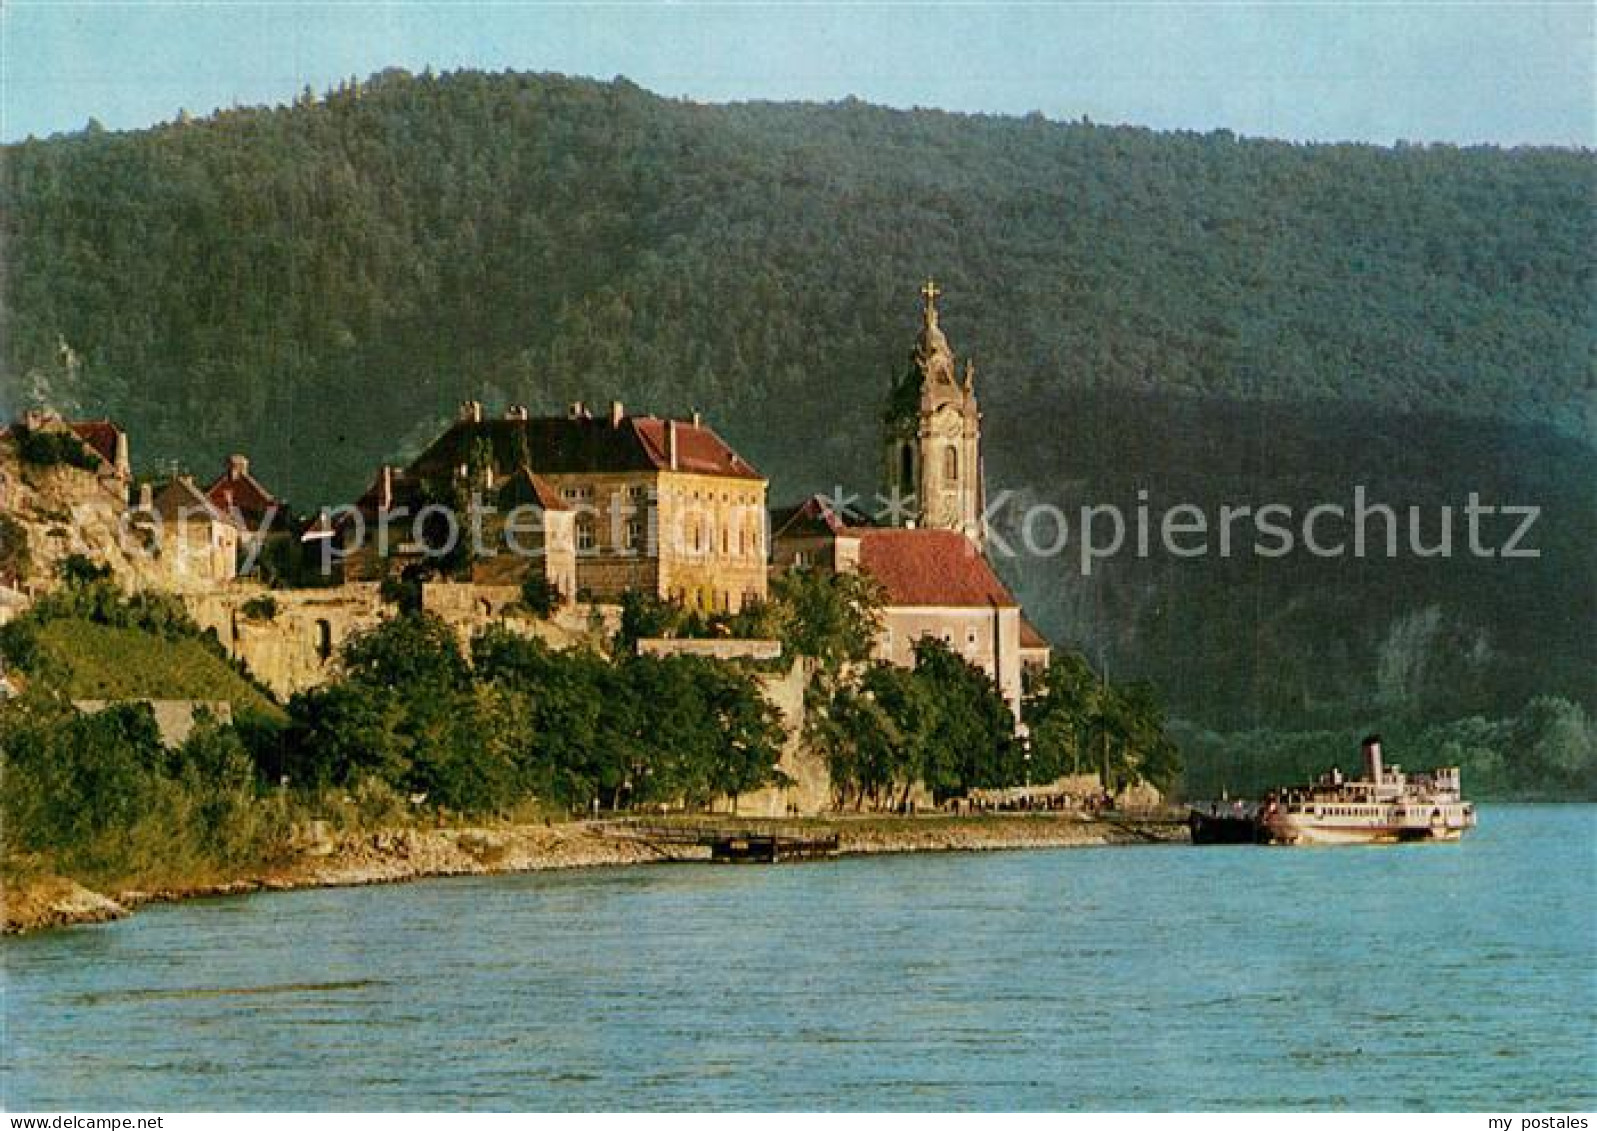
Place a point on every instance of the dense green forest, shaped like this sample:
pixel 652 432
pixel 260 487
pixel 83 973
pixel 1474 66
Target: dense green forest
pixel 1208 317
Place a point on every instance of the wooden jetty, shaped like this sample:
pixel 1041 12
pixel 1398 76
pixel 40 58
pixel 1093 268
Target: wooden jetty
pixel 730 844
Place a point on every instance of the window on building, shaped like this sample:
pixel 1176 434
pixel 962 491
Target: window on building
pixel 906 468
pixel 951 465
pixel 632 534
pixel 585 539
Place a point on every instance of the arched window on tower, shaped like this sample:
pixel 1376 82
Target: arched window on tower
pixel 906 468
pixel 951 465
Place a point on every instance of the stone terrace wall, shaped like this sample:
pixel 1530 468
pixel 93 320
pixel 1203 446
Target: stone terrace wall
pixel 727 649
pixel 174 718
pixel 811 791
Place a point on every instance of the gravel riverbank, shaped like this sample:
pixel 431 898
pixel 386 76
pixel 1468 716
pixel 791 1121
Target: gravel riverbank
pixel 40 902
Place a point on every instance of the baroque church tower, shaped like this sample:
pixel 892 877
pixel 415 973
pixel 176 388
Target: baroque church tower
pixel 932 436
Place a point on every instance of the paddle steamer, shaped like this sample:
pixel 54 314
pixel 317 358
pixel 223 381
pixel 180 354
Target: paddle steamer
pixel 1383 806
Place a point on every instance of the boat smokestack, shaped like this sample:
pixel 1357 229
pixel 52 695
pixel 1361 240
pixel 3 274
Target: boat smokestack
pixel 1372 758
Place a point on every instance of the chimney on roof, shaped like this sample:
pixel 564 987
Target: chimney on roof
pixel 1372 758
pixel 671 442
pixel 238 466
pixel 617 414
pixel 146 497
pixel 385 488
pixel 124 465
pixel 471 411
pixel 516 412
pixel 698 419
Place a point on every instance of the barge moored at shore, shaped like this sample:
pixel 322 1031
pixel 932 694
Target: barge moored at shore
pixel 1224 822
pixel 1385 806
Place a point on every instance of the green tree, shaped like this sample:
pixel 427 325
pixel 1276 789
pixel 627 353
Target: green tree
pixel 970 741
pixel 1556 746
pixel 1059 712
pixel 860 741
pixel 413 651
pixel 833 618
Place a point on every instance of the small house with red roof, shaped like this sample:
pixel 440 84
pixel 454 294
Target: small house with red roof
pixel 104 443
pixel 238 493
pixel 107 441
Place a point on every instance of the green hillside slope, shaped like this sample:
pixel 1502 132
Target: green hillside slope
pixel 97 661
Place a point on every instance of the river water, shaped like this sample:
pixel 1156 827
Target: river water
pixel 1164 977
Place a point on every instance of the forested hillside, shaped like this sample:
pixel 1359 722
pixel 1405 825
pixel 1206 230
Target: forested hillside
pixel 1203 315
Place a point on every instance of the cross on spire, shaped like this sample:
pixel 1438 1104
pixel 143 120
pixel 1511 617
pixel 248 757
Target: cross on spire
pixel 929 292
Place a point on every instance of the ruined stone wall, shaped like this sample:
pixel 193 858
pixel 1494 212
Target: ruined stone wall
pixel 469 608
pixel 297 647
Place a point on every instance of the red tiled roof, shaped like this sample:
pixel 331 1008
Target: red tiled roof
pixel 930 568
pixel 815 515
pixel 699 449
pixel 1030 637
pixel 583 444
pixel 243 493
pixel 101 435
pixel 526 487
pixel 181 500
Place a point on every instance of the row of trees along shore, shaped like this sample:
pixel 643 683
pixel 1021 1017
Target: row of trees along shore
pixel 417 727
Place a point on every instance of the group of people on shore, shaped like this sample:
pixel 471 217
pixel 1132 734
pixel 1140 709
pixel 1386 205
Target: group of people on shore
pixel 1093 804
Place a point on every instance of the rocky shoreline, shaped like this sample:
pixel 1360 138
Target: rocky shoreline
pixel 47 901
